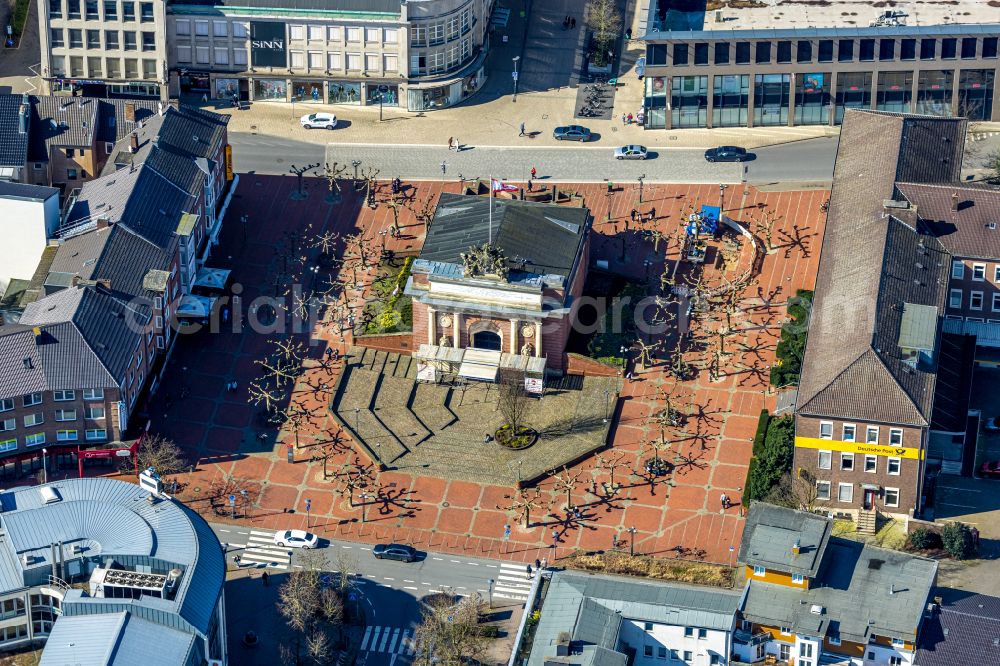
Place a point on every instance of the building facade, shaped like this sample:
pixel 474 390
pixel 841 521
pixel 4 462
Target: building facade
pixel 29 218
pixel 812 598
pixel 877 396
pixel 418 55
pixel 516 296
pixel 812 76
pixel 103 47
pixel 99 567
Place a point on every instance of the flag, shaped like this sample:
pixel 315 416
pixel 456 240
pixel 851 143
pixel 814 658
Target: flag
pixel 499 186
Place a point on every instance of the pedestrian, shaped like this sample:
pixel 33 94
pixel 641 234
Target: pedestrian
pixel 572 22
pixel 534 172
pixel 724 500
pixel 538 564
pixel 630 118
pixel 522 130
pixel 529 572
pixel 451 142
pixel 611 187
pixel 204 98
pixel 577 514
pixel 652 213
pixel 545 563
pixel 531 185
pixel 624 118
pixel 264 577
pixel 635 215
pixel 236 560
pixel 628 375
pixel 444 166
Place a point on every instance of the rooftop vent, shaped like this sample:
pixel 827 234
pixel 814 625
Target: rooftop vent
pixel 49 495
pixel 875 564
pixel 991 225
pixel 954 201
pixel 816 609
pixel 28 363
pixel 796 547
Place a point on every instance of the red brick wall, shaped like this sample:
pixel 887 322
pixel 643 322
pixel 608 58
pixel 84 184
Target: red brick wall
pixel 581 365
pixel 401 343
pixel 420 325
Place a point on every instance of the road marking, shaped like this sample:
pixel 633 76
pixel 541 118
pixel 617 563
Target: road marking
pixel 392 643
pixel 492 566
pixel 261 550
pixel 408 581
pixel 434 591
pixel 387 578
pixel 347 547
pixel 226 531
pixel 366 549
pixel 364 641
pixel 475 564
pixel 385 639
pixel 372 576
pixel 407 587
pixel 456 562
pixel 461 587
pixel 439 559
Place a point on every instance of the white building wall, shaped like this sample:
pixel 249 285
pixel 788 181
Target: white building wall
pixel 880 655
pixel 671 637
pixel 25 227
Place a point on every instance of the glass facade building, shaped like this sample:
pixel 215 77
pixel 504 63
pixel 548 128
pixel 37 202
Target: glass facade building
pixel 811 76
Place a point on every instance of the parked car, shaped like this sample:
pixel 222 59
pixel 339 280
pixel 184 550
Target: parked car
pixel 296 539
pixel 991 424
pixel 571 133
pixel 630 153
pixel 990 469
pixel 726 154
pixel 394 551
pixel 318 120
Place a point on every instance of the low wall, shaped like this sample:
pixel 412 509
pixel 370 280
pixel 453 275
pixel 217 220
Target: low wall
pixel 401 343
pixel 577 364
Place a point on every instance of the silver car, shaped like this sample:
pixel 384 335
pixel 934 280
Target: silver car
pixel 630 153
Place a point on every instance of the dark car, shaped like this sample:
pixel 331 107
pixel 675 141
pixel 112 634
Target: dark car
pixel 991 425
pixel 394 551
pixel 571 133
pixel 991 469
pixel 726 154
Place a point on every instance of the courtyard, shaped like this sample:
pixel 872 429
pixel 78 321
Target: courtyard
pixel 594 503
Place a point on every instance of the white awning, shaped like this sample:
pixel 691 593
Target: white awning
pixel 195 306
pixel 480 364
pixel 212 278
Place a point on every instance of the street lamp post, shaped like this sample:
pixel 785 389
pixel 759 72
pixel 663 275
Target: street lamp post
pixel 722 198
pixel 45 465
pixel 515 59
pixel 631 547
pixel 356 164
pixel 607 400
pixel 641 179
pixel 364 508
pixel 490 593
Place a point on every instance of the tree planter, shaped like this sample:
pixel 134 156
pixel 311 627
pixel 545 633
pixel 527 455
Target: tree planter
pixel 657 466
pixel 524 438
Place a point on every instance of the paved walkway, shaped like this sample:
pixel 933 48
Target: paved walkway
pixel 674 515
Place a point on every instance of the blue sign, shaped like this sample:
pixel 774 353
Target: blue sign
pixel 351 596
pixel 308 504
pixel 232 500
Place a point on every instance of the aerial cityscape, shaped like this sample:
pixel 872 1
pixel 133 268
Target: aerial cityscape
pixel 500 333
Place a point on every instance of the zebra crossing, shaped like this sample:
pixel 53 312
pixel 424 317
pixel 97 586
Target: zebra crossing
pixel 388 640
pixel 512 582
pixel 260 550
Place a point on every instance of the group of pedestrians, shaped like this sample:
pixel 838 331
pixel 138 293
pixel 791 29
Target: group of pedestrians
pixel 539 566
pixel 569 23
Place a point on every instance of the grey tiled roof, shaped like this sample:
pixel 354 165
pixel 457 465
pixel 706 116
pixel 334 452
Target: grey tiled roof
pixel 10 190
pixel 61 359
pixel 964 232
pixel 108 326
pixel 536 238
pixel 65 121
pixel 871 264
pixel 963 631
pixel 770 533
pixel 860 591
pixel 114 126
pixel 591 608
pixel 193 131
pixel 13 143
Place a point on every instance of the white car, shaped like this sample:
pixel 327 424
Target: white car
pixel 318 120
pixel 296 539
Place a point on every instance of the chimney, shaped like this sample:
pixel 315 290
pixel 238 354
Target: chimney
pixel 133 143
pixel 22 119
pixel 796 547
pixel 103 222
pixel 161 108
pixel 954 201
pixel 104 283
pixel 130 111
pixel 75 282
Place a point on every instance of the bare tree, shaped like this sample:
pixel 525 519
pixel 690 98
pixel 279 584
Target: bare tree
pixel 522 503
pixel 161 454
pixel 513 400
pixel 309 608
pixel 609 462
pixel 355 476
pixel 566 482
pixel 605 20
pixel 795 491
pixel 450 630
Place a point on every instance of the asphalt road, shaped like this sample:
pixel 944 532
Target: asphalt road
pixel 808 161
pixel 389 591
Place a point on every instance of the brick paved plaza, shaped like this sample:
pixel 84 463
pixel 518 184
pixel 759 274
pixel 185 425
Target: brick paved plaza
pixel 678 513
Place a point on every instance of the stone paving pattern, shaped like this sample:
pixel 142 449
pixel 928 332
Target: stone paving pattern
pixel 570 422
pixel 680 514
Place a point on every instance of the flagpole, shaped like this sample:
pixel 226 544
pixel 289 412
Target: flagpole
pixel 491 209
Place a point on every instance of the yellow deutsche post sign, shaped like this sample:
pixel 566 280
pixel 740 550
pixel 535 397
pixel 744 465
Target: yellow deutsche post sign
pixel 857 447
pixel 228 156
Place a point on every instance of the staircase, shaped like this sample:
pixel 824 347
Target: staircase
pixel 867 521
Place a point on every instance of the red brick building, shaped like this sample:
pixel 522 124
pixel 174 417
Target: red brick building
pixel 506 280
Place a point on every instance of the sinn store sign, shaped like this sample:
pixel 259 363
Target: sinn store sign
pixel 267 44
